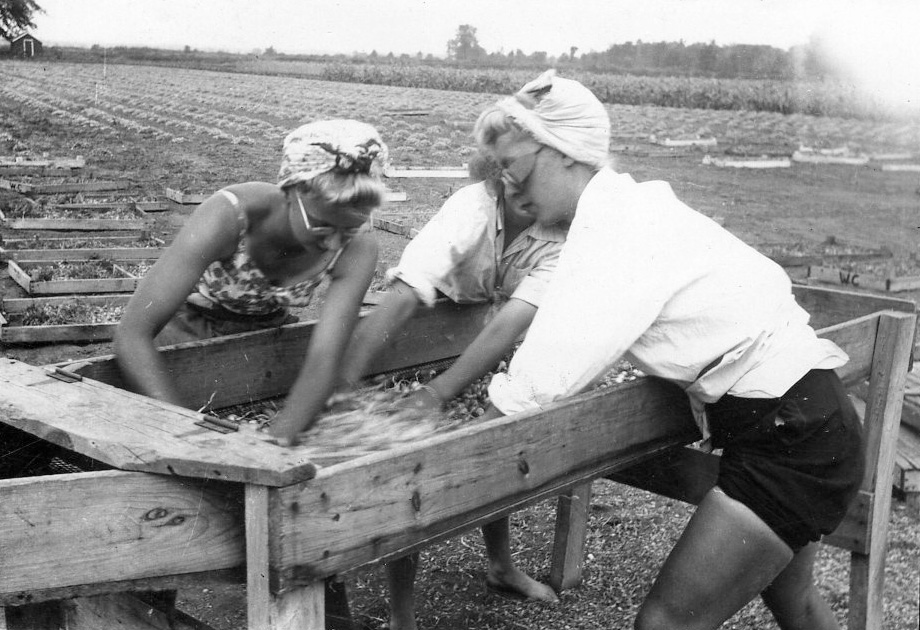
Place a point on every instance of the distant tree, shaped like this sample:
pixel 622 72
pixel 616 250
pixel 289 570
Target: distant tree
pixel 270 52
pixel 16 17
pixel 465 45
pixel 187 49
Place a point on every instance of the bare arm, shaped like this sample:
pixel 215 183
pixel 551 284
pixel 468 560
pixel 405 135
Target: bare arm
pixel 211 233
pixel 376 331
pixel 338 316
pixel 484 353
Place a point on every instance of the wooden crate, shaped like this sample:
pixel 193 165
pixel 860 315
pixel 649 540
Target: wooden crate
pixel 185 198
pixel 33 186
pixel 125 282
pixel 820 254
pixel 846 277
pixel 13 333
pixel 139 222
pixel 293 523
pixel 58 248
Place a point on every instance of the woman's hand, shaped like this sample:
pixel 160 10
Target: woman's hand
pixel 423 399
pixel 285 429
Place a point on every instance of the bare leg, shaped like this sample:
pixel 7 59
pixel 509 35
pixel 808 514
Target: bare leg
pixel 503 575
pixel 401 580
pixel 724 559
pixel 794 599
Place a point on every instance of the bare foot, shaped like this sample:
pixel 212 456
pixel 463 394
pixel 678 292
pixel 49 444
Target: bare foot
pixel 518 584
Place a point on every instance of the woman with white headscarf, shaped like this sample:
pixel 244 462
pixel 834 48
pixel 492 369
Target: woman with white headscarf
pixel 644 276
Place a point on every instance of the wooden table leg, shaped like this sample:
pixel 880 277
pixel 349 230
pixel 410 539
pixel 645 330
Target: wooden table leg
pixel 301 608
pixel 571 529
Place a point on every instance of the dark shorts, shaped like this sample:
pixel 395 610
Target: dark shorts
pixel 193 323
pixel 796 461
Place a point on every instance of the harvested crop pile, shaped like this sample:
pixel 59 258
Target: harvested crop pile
pixel 371 419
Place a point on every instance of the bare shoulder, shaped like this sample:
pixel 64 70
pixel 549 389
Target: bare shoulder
pixel 257 198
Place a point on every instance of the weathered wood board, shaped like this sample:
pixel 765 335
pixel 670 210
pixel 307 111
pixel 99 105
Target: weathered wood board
pixel 64 531
pixel 140 223
pixel 35 188
pixel 133 432
pixel 267 362
pixel 27 256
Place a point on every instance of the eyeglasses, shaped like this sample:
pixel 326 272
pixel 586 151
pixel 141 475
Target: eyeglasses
pixel 515 175
pixel 324 231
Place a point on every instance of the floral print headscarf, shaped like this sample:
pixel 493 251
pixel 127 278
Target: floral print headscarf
pixel 348 146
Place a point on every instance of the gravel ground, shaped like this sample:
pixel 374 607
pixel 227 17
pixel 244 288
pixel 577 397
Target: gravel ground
pixel 629 534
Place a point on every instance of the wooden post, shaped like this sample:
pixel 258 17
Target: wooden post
pixel 883 415
pixel 569 543
pixel 300 608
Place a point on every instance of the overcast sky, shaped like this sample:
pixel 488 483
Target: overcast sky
pixel 877 38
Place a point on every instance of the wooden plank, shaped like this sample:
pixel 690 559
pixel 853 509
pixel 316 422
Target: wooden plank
pixel 748 163
pixel 124 204
pixel 907 460
pixel 18 305
pixel 390 225
pixel 119 610
pixel 445 484
pixel 835 275
pixel 185 198
pixel 431 173
pixel 67 530
pixel 393 196
pixel 19 244
pixel 569 540
pixel 683 142
pixel 32 256
pixel 857 339
pixel 56 333
pixel 58 162
pixel 138 433
pixel 152 206
pixel 298 607
pixel 141 223
pixel 904 168
pixel 30 188
pixel 818 158
pixel 174 582
pixel 267 362
pixel 883 412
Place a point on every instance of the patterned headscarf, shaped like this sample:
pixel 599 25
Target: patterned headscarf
pixel 563 114
pixel 348 146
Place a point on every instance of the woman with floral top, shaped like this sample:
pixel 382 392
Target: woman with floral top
pixel 253 250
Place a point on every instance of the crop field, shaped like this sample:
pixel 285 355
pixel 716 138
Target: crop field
pixel 196 131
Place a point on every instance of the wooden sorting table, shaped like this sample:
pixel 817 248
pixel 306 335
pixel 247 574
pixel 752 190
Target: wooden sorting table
pixel 183 499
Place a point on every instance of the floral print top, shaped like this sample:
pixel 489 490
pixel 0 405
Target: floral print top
pixel 238 285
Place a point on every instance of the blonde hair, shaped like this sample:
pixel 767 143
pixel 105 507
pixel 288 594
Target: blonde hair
pixel 361 191
pixel 494 123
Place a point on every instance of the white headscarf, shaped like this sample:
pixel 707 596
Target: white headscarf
pixel 563 114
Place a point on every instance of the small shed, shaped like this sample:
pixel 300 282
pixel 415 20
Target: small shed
pixel 25 46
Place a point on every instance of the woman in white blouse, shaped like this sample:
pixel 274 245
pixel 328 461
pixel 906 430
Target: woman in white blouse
pixel 645 277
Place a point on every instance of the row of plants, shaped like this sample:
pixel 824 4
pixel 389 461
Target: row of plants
pixel 823 98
